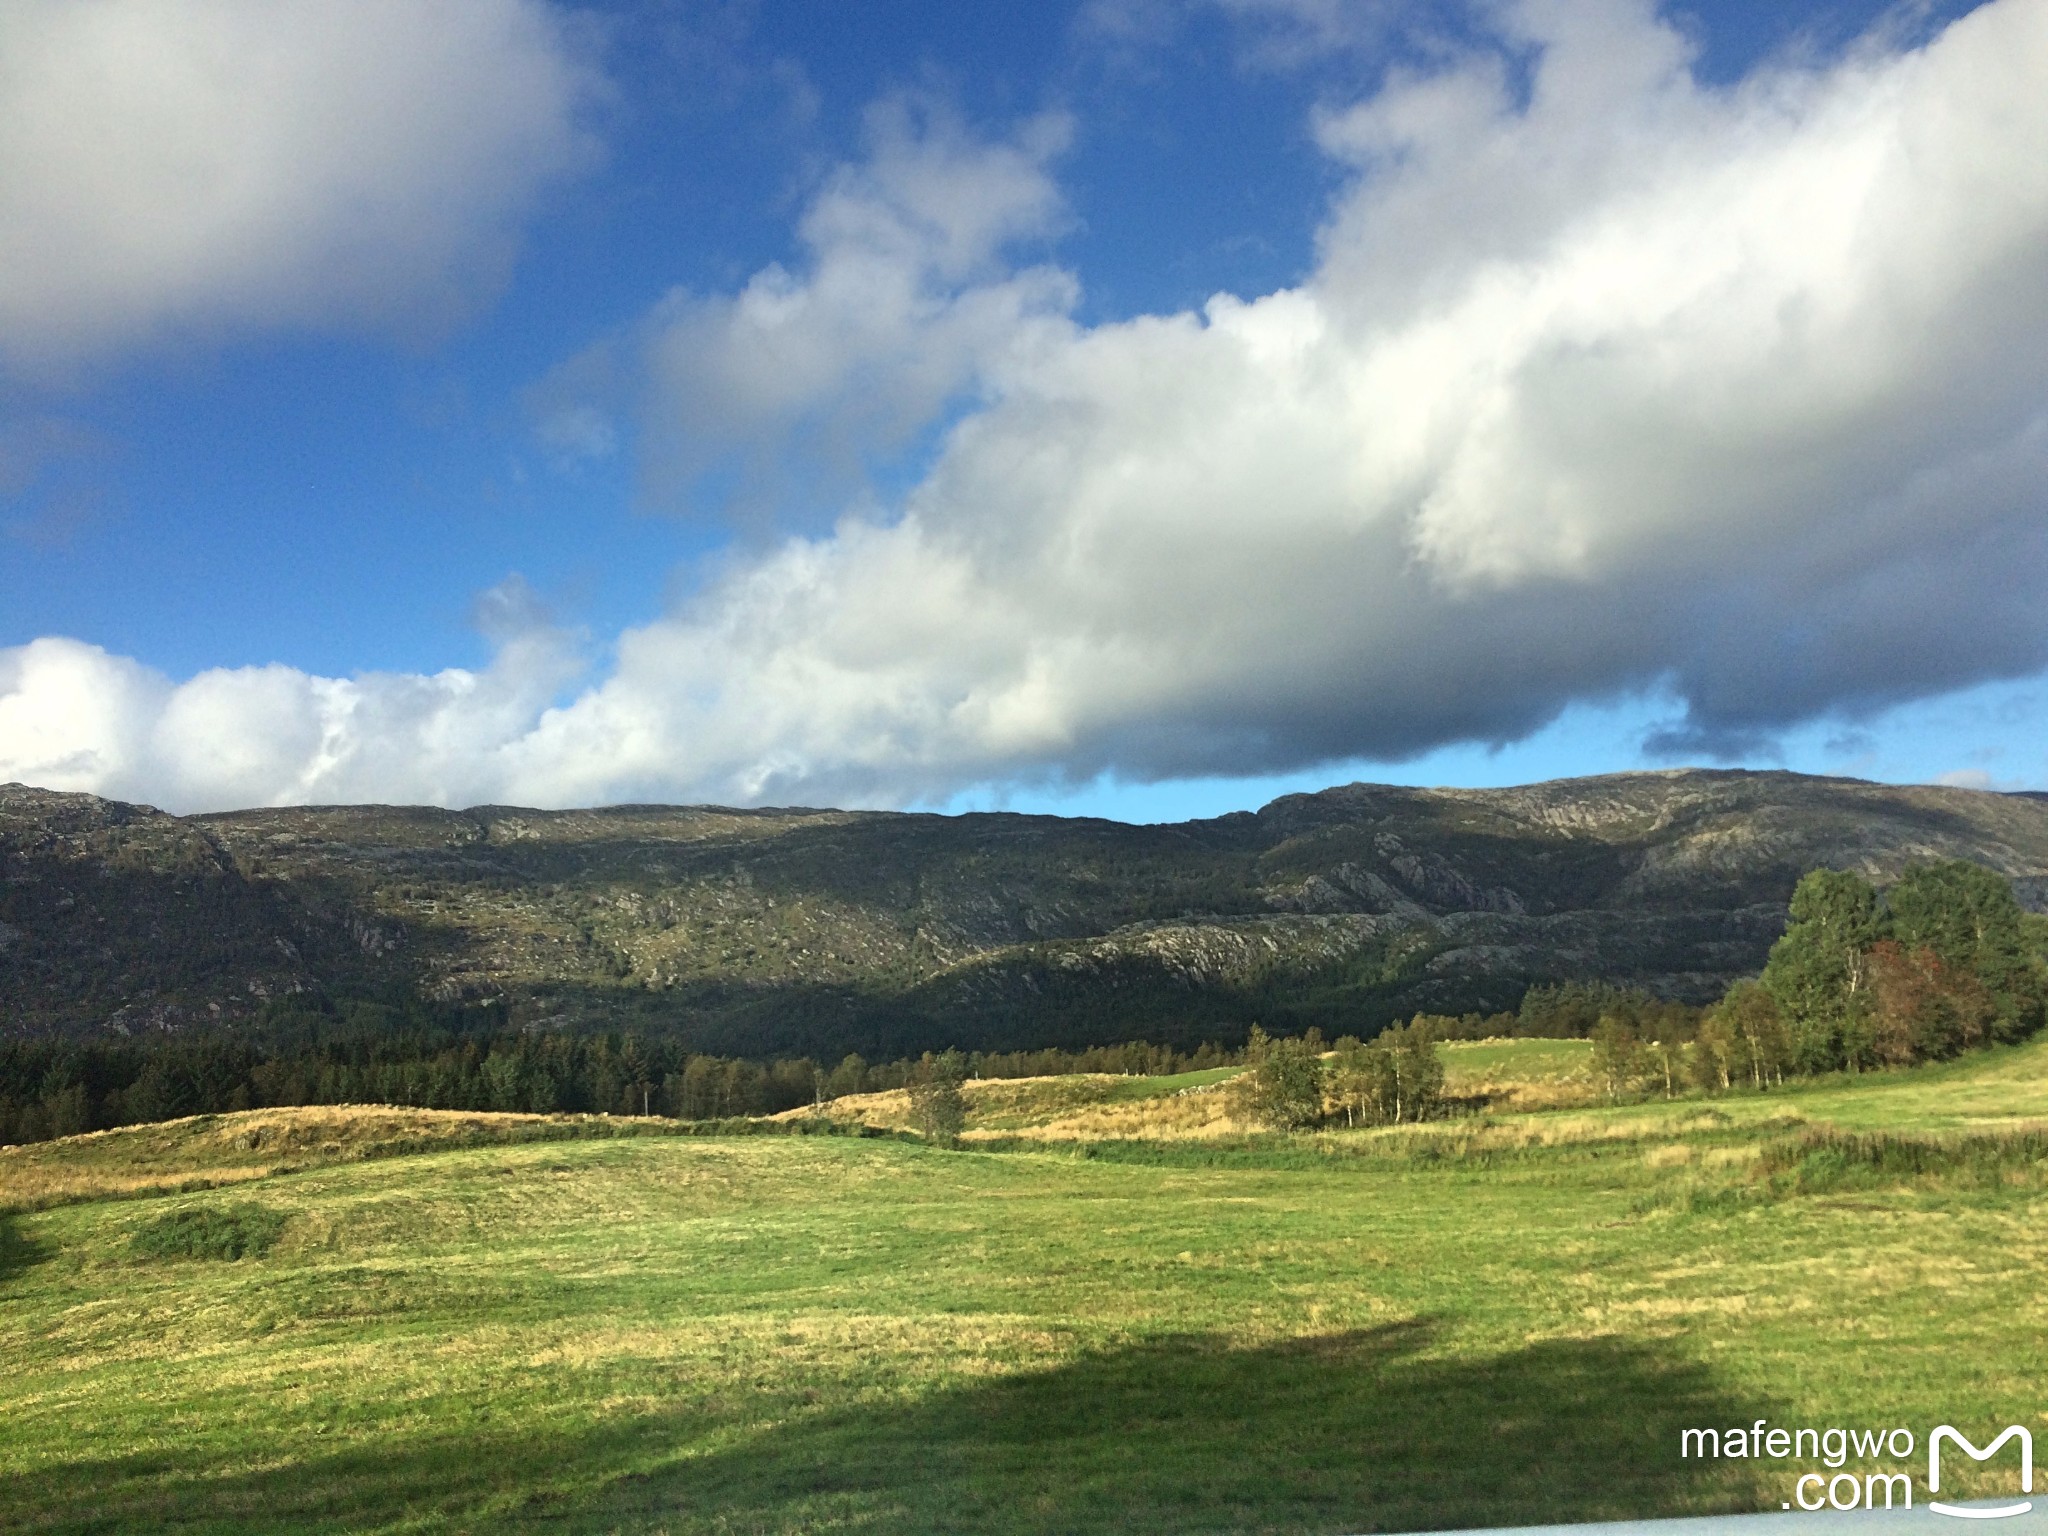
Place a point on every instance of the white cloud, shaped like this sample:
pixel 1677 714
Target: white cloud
pixel 1629 384
pixel 73 717
pixel 1966 778
pixel 180 166
pixel 901 307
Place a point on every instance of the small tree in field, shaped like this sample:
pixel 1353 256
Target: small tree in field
pixel 938 1109
pixel 1755 1032
pixel 1419 1070
pixel 1715 1059
pixel 1284 1088
pixel 1398 1077
pixel 1365 1081
pixel 1618 1056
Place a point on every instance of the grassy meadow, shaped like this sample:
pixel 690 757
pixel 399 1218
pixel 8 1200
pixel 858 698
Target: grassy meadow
pixel 1521 1074
pixel 476 1322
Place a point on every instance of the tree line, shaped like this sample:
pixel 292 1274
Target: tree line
pixel 1941 962
pixel 446 1057
pixel 1568 1010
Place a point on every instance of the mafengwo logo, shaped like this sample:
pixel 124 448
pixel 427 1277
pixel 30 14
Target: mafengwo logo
pixel 1887 1487
pixel 1955 1437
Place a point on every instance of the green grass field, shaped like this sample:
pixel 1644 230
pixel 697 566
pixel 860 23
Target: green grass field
pixel 1500 1320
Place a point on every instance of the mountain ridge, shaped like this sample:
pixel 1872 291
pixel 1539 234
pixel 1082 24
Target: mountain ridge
pixel 805 929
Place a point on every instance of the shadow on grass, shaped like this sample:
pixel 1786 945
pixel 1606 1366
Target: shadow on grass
pixel 17 1251
pixel 1355 1431
pixel 1346 1432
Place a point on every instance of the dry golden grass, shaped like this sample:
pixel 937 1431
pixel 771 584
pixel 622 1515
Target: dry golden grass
pixel 1671 1155
pixel 890 1110
pixel 1512 1077
pixel 1201 1114
pixel 1528 1098
pixel 1085 1106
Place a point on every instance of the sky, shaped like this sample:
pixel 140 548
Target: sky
pixel 1137 408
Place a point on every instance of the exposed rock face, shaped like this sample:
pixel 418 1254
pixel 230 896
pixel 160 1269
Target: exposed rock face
pixel 763 931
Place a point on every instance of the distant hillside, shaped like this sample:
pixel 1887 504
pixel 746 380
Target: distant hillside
pixel 786 931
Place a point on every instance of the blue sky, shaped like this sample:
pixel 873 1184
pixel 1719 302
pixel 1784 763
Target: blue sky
pixel 354 435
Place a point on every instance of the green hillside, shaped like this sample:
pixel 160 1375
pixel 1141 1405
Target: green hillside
pixel 798 932
pixel 1495 1320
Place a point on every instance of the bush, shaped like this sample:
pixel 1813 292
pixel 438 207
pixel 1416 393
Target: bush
pixel 238 1231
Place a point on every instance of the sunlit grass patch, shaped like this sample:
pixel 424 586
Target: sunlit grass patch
pixel 214 1151
pixel 1078 1106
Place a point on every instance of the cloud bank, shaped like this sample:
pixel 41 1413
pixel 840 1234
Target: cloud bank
pixel 180 167
pixel 1605 381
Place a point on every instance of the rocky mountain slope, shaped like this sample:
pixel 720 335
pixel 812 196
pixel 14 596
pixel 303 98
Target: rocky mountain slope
pixel 758 932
